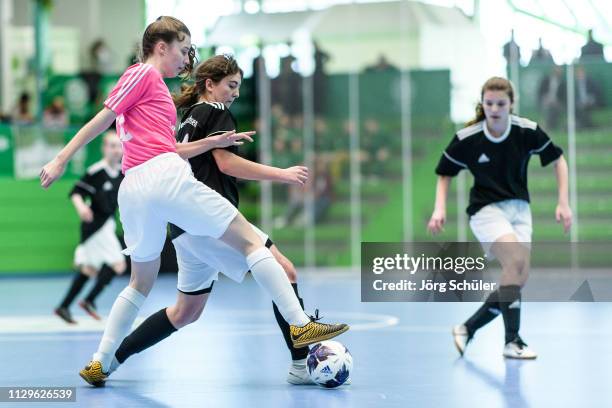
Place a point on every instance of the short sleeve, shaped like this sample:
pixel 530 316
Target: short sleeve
pixel 212 121
pixel 84 187
pixel 130 89
pixel 452 160
pixel 542 145
pixel 221 121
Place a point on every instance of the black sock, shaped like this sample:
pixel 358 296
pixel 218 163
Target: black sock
pixel 150 332
pixel 78 282
pixel 510 303
pixel 105 276
pixel 296 353
pixel 489 310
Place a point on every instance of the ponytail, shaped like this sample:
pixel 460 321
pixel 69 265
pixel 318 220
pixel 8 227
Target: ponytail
pixel 480 115
pixel 189 95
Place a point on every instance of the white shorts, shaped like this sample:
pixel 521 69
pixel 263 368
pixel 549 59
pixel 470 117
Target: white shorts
pixel 201 259
pixel 502 218
pixel 102 247
pixel 162 190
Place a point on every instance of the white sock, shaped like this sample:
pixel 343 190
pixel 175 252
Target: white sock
pixel 114 365
pixel 269 274
pixel 119 323
pixel 300 364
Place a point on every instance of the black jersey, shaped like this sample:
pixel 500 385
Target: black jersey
pixel 499 165
pixel 100 186
pixel 200 121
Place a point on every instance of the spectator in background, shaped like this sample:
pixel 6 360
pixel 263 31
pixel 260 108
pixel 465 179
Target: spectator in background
pixel 5 118
pixel 101 57
pixel 259 67
pixel 321 58
pixel 550 97
pixel 382 65
pixel 588 97
pixel 55 115
pixel 22 115
pixel 592 50
pixel 287 88
pixel 322 188
pixel 100 64
pixel 512 52
pixel 541 56
pixel 375 152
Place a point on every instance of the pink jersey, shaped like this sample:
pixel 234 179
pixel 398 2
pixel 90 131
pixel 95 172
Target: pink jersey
pixel 146 115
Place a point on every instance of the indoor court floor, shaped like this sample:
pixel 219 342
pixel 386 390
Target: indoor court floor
pixel 234 356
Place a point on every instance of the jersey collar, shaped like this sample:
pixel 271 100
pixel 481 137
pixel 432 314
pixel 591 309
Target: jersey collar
pixel 497 139
pixel 112 171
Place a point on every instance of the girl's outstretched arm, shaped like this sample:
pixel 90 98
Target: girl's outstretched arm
pixel 56 167
pixel 239 167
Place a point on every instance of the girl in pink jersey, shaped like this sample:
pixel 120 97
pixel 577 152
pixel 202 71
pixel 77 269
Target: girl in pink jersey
pixel 159 187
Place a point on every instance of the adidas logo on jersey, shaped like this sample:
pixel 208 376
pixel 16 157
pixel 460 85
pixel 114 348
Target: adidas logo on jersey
pixel 483 158
pixel 326 370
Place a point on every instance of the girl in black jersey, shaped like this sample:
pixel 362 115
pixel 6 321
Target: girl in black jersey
pixel 99 252
pixel 495 147
pixel 205 113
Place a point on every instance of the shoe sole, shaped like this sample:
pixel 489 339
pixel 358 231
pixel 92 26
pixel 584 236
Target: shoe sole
pixel 64 319
pixel 299 381
pixel 520 358
pixel 319 339
pixel 457 345
pixel 84 373
pixel 96 384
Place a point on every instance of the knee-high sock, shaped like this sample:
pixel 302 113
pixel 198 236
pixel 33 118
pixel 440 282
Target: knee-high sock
pixel 79 280
pixel 150 332
pixel 489 310
pixel 118 325
pixel 269 274
pixel 105 276
pixel 296 353
pixel 510 302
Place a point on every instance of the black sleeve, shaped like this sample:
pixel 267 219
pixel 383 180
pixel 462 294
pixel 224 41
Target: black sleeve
pixel 211 121
pixel 84 187
pixel 452 160
pixel 541 144
pixel 220 121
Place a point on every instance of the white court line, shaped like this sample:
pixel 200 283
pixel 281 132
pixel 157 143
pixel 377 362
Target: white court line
pixel 39 328
pixel 532 331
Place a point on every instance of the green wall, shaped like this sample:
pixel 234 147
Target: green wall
pixel 39 228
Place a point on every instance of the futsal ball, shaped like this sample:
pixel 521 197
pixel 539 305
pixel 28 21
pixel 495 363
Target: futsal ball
pixel 329 364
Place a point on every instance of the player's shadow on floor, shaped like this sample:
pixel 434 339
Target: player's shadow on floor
pixel 508 387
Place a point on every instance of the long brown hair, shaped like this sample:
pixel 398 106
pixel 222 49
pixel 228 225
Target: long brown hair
pixel 166 29
pixel 492 84
pixel 215 68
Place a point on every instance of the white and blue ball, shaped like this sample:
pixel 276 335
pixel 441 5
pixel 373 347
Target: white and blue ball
pixel 329 364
